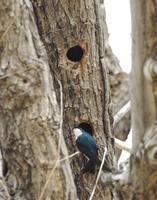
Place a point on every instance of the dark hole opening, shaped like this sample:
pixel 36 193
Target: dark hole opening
pixel 87 127
pixel 75 53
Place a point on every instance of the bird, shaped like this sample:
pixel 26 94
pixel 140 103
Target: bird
pixel 87 145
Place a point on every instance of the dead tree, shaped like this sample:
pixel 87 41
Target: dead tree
pixel 53 76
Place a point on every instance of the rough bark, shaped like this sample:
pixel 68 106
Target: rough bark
pixel 29 111
pixel 31 92
pixel 62 25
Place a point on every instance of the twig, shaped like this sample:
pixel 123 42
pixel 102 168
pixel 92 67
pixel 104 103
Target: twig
pixel 51 174
pixel 96 182
pixel 121 145
pixel 61 116
pixel 70 156
pixel 122 112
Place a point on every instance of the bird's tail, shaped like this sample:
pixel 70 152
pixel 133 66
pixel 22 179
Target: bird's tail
pixel 91 164
pixel 105 166
pixel 89 167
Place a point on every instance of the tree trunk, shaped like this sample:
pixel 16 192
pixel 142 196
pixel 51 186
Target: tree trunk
pixel 34 96
pixel 144 25
pixel 30 118
pixel 139 180
pixel 144 39
pixel 63 26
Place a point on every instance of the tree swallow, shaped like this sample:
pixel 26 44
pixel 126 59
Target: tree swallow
pixel 88 146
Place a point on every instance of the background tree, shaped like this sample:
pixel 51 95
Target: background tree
pixel 143 93
pixel 139 178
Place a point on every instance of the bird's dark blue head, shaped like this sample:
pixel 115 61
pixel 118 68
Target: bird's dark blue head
pixel 86 127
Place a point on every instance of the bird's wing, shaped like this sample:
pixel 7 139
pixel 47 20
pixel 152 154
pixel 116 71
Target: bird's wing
pixel 87 145
pixel 92 141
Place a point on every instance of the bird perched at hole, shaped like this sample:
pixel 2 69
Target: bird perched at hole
pixel 88 146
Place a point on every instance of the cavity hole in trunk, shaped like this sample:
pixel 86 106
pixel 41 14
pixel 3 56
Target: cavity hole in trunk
pixel 75 53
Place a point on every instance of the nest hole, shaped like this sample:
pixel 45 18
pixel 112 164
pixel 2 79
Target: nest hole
pixel 87 127
pixel 75 53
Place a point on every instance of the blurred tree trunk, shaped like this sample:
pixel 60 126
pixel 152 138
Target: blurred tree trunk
pixel 35 80
pixel 139 181
pixel 143 98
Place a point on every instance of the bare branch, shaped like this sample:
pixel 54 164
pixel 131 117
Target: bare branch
pixel 70 156
pixel 61 117
pixel 122 112
pixel 96 182
pixel 122 145
pixel 52 172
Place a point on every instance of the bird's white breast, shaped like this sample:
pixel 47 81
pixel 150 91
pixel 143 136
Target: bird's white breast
pixel 77 132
